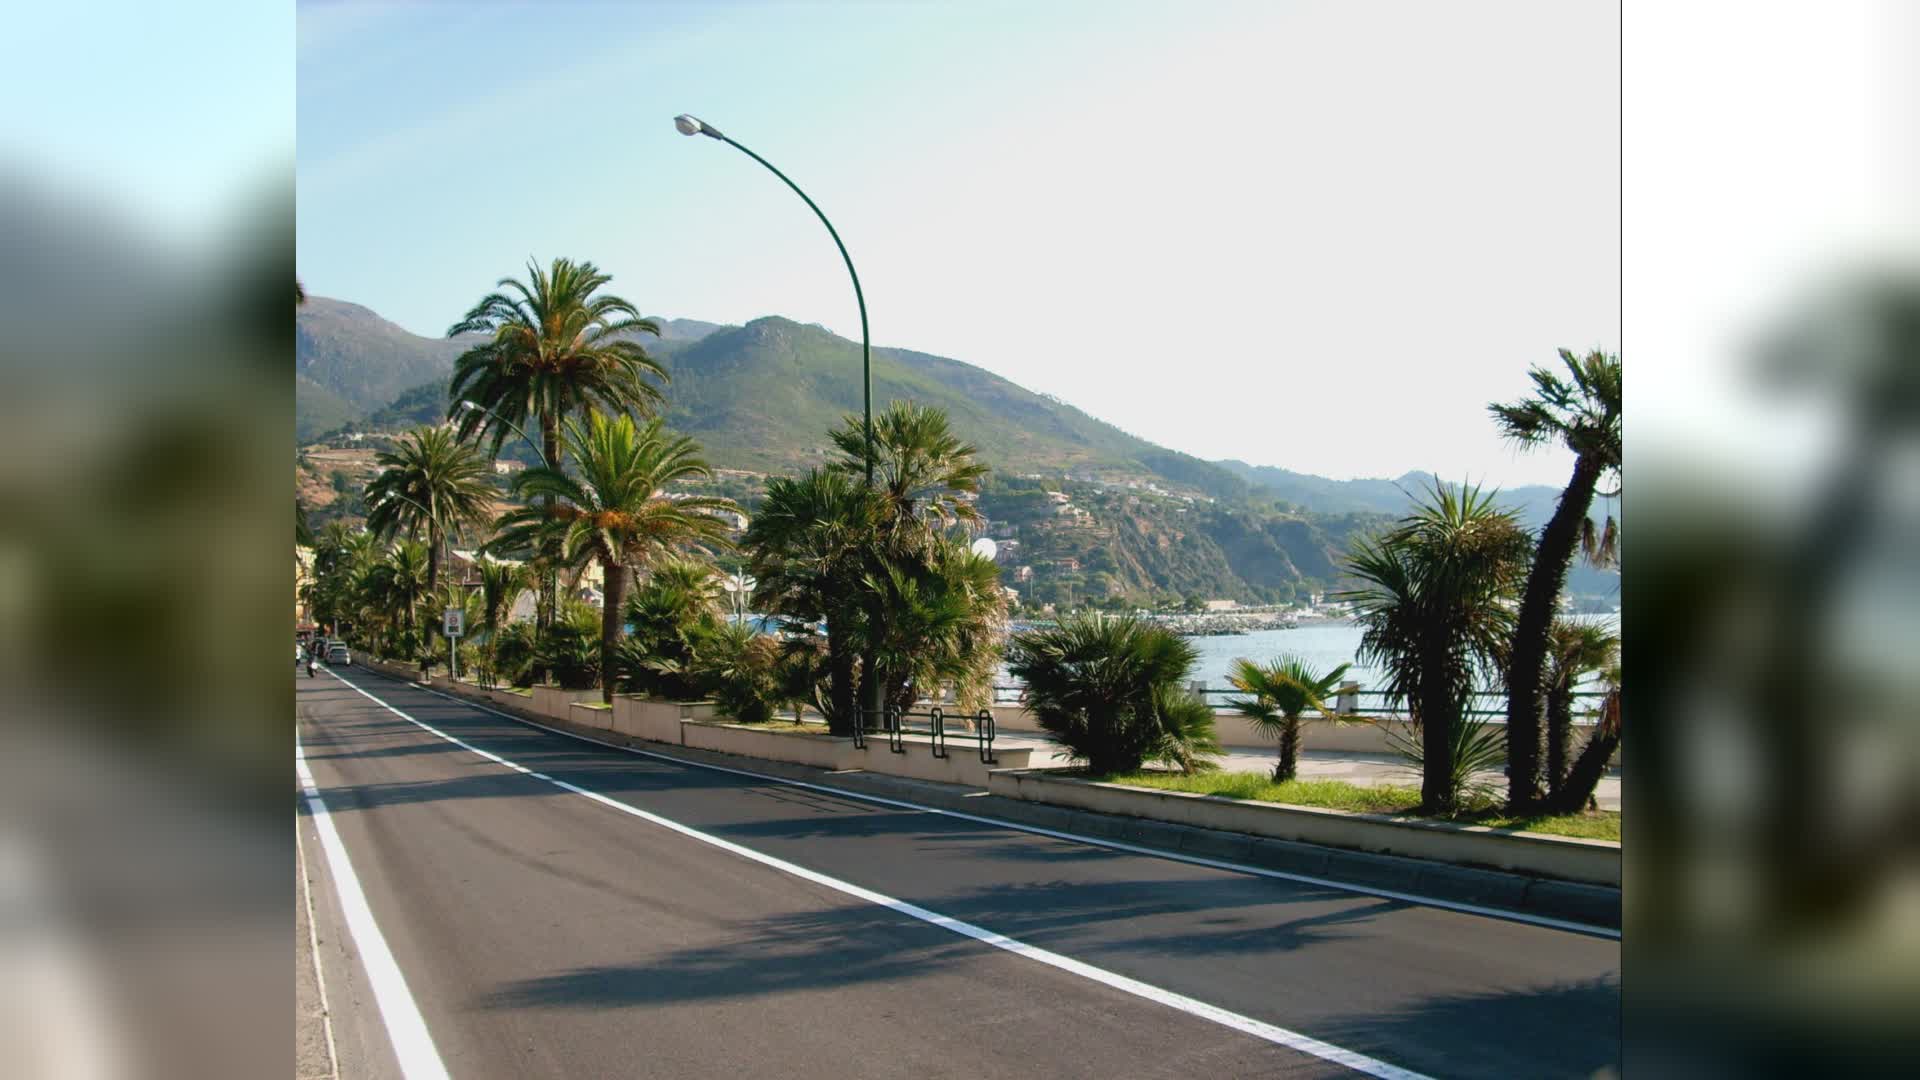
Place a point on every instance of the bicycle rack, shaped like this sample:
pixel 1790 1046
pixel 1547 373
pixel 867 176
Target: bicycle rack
pixel 860 729
pixel 983 735
pixel 895 742
pixel 939 740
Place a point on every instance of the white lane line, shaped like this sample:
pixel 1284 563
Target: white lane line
pixel 1259 1029
pixel 406 1028
pixel 1462 907
pixel 313 947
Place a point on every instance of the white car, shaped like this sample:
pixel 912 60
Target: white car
pixel 337 654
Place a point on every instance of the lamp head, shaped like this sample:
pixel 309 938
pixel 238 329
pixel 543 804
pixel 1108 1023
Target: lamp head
pixel 688 125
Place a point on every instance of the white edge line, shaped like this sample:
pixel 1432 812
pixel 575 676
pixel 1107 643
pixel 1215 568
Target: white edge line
pixel 406 1028
pixel 313 947
pixel 1462 907
pixel 1259 1029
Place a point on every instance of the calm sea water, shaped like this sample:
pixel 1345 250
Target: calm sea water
pixel 1323 643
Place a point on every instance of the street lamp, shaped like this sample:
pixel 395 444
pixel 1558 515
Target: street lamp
pixel 691 125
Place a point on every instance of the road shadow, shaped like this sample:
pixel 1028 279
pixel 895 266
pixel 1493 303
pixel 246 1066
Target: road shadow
pixel 1567 1029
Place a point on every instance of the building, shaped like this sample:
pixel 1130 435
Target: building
pixel 1222 605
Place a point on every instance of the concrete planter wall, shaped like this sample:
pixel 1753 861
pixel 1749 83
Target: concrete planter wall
pixel 553 702
pixel 1595 862
pixel 799 748
pixel 590 715
pixel 646 718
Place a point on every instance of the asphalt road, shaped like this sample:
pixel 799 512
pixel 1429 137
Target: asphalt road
pixel 542 931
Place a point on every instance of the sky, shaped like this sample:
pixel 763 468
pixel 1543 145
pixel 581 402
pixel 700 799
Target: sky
pixel 1321 236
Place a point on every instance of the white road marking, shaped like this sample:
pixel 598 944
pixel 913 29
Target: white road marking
pixel 313 947
pixel 1259 1029
pixel 1115 845
pixel 406 1028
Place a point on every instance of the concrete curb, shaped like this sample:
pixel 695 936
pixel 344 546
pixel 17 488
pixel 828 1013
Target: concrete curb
pixel 1592 905
pixel 1565 858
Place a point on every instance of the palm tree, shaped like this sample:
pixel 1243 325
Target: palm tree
pixel 673 614
pixel 921 470
pixel 553 348
pixel 808 545
pixel 1434 601
pixel 1581 412
pixel 1573 650
pixel 429 480
pixel 920 467
pixel 1583 776
pixel 501 585
pixel 614 511
pixel 1109 689
pixel 945 615
pixel 391 589
pixel 1279 692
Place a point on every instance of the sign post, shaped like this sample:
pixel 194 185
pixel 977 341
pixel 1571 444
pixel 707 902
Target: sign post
pixel 455 623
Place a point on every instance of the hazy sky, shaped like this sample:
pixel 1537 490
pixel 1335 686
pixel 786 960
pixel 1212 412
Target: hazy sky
pixel 1316 235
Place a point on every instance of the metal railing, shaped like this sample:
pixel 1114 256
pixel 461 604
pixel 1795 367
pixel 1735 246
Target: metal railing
pixel 1350 701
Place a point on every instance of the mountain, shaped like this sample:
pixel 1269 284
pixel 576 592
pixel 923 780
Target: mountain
pixel 759 397
pixel 1532 504
pixel 348 359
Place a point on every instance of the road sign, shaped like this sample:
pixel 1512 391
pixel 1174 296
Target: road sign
pixel 456 621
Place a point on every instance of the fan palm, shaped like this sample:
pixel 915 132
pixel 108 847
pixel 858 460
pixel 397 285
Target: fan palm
pixel 672 616
pixel 920 467
pixel 614 512
pixel 944 617
pixel 1576 792
pixel 1573 650
pixel 1434 600
pixel 432 481
pixel 553 348
pixel 1278 693
pixel 1582 412
pixel 1106 688
pixel 808 545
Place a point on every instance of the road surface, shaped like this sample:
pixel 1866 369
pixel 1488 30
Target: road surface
pixel 519 903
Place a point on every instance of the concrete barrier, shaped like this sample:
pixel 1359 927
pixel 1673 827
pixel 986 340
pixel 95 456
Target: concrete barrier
pixel 1595 862
pixel 647 718
pixel 591 715
pixel 553 702
pixel 799 748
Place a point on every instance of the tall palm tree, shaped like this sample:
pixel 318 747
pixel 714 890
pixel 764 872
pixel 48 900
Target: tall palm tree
pixel 392 589
pixel 429 481
pixel 1581 412
pixel 553 348
pixel 1573 650
pixel 1434 603
pixel 1278 693
pixel 807 545
pixel 614 511
pixel 921 470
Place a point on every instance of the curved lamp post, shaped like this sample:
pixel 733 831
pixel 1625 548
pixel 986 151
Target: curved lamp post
pixel 691 125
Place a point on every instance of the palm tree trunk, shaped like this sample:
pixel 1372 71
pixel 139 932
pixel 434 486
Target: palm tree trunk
pixel 611 626
pixel 550 574
pixel 840 684
pixel 1559 735
pixel 1526 665
pixel 1437 720
pixel 433 577
pixel 1289 765
pixel 1572 795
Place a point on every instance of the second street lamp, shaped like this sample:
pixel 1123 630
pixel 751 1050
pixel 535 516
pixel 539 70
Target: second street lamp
pixel 691 125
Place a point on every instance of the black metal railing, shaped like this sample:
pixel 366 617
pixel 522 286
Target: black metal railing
pixel 1488 703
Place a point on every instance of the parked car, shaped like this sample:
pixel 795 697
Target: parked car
pixel 337 654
